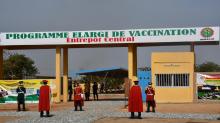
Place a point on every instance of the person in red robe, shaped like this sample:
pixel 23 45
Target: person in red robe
pixel 78 97
pixel 135 103
pixel 150 102
pixel 44 99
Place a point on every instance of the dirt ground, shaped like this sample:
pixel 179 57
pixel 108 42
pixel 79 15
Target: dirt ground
pixel 207 107
pixel 8 118
pixel 34 107
pixel 152 120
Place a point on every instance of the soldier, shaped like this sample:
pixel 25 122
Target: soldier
pixel 87 91
pixel 44 99
pixel 70 89
pixel 135 100
pixel 78 98
pixel 150 102
pixel 21 90
pixel 95 90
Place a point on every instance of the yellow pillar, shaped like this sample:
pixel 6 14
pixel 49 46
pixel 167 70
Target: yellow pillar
pixel 132 61
pixel 1 63
pixel 65 74
pixel 58 74
pixel 195 90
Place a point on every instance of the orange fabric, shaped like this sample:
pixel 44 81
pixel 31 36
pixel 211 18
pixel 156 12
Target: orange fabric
pixel 77 95
pixel 135 103
pixel 44 98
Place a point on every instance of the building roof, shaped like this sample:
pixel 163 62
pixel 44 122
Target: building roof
pixel 114 72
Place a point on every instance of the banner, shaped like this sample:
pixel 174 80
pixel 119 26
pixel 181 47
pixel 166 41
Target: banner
pixel 157 35
pixel 208 79
pixel 8 88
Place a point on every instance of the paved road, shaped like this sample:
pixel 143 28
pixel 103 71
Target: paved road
pixel 95 110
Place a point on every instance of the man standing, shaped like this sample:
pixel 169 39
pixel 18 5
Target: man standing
pixel 95 89
pixel 44 99
pixel 150 102
pixel 87 91
pixel 70 89
pixel 135 103
pixel 21 90
pixel 78 99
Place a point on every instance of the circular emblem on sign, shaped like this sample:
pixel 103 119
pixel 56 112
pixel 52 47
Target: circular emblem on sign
pixel 207 32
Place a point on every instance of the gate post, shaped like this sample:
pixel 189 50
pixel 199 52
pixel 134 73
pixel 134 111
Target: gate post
pixel 132 61
pixel 65 74
pixel 58 74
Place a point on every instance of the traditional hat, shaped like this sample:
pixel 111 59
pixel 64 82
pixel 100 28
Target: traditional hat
pixel 77 82
pixel 21 82
pixel 150 84
pixel 135 80
pixel 45 81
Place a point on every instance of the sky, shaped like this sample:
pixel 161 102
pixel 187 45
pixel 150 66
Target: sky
pixel 80 15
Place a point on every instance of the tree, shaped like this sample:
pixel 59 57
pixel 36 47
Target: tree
pixel 18 66
pixel 208 67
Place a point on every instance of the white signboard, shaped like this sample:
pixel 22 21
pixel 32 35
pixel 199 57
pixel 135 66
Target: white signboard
pixel 193 34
